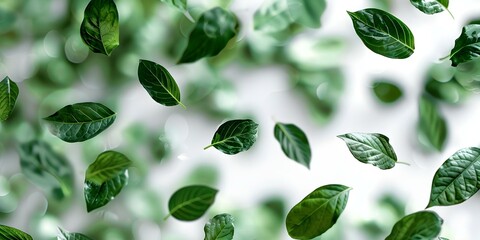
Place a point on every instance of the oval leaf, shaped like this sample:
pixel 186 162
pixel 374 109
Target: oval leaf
pixel 8 97
pixel 100 29
pixel 97 196
pixel 432 128
pixel 219 227
pixel 235 136
pixel 419 225
pixel 107 166
pixel 10 233
pixel 467 46
pixel 371 148
pixel 46 168
pixel 430 6
pixel 457 179
pixel 386 91
pixel 294 143
pixel 210 35
pixel 317 212
pixel 64 235
pixel 159 83
pixel 383 33
pixel 80 121
pixel 191 202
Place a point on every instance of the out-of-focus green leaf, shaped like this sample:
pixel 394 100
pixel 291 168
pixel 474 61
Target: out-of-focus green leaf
pixel 64 235
pixel 235 136
pixel 294 143
pixel 10 233
pixel 219 227
pixel 432 128
pixel 450 92
pixel 8 97
pixel 309 54
pixel 180 4
pixel 7 20
pixel 191 202
pixel 386 91
pixel 419 225
pixel 467 45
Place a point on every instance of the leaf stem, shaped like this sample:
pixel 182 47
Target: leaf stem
pixel 450 13
pixel 404 163
pixel 166 217
pixel 181 104
pixel 207 147
pixel 443 58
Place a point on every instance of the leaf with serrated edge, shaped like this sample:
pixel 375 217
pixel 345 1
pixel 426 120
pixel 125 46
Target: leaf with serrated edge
pixel 64 235
pixel 419 225
pixel 80 122
pixel 8 97
pixel 294 143
pixel 457 180
pixel 432 128
pixel 191 202
pixel 97 196
pixel 383 33
pixel 371 148
pixel 317 212
pixel 219 227
pixel 10 233
pixel 467 45
pixel 235 136
pixel 108 165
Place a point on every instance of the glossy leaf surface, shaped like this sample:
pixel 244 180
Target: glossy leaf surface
pixel 64 235
pixel 432 128
pixel 383 33
pixel 235 136
pixel 107 166
pixel 191 202
pixel 80 122
pixel 430 6
pixel 467 45
pixel 317 212
pixel 97 196
pixel 294 143
pixel 8 97
pixel 10 233
pixel 180 4
pixel 219 227
pixel 419 225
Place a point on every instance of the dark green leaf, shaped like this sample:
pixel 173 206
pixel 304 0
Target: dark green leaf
pixel 159 83
pixel 210 35
pixel 191 202
pixel 46 168
pixel 64 235
pixel 97 196
pixel 430 6
pixel 432 128
pixel 467 46
pixel 457 179
pixel 372 148
pixel 294 143
pixel 100 29
pixel 107 166
pixel 419 225
pixel 317 212
pixel 219 227
pixel 383 33
pixel 235 136
pixel 180 4
pixel 10 233
pixel 386 91
pixel 80 121
pixel 8 97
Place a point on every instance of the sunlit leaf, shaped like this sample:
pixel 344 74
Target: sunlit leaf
pixel 64 235
pixel 8 97
pixel 430 6
pixel 219 227
pixel 294 143
pixel 383 33
pixel 235 136
pixel 386 91
pixel 191 202
pixel 457 179
pixel 317 212
pixel 419 225
pixel 107 166
pixel 97 196
pixel 432 128
pixel 10 233
pixel 467 45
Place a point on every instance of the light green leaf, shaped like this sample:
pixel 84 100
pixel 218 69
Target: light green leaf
pixel 81 121
pixel 294 143
pixel 107 166
pixel 419 225
pixel 97 196
pixel 430 6
pixel 383 33
pixel 235 136
pixel 467 45
pixel 432 128
pixel 159 84
pixel 371 148
pixel 386 91
pixel 179 4
pixel 307 12
pixel 317 212
pixel 100 29
pixel 64 235
pixel 191 202
pixel 458 178
pixel 210 35
pixel 46 168
pixel 219 227
pixel 8 96
pixel 10 233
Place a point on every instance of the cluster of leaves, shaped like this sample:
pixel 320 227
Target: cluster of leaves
pixel 454 182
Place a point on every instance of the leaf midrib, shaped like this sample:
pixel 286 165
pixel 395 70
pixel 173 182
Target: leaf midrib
pixel 284 130
pixel 161 84
pixel 188 202
pixel 371 147
pixel 93 174
pixel 80 122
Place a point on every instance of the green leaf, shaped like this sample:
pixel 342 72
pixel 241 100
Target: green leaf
pixel 210 35
pixel 159 84
pixel 386 91
pixel 64 235
pixel 419 225
pixel 100 29
pixel 8 96
pixel 235 136
pixel 107 166
pixel 10 233
pixel 467 45
pixel 307 12
pixel 383 33
pixel 457 179
pixel 219 227
pixel 371 148
pixel 430 6
pixel 294 143
pixel 432 128
pixel 191 202
pixel 179 4
pixel 46 168
pixel 97 196
pixel 317 212
pixel 80 121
